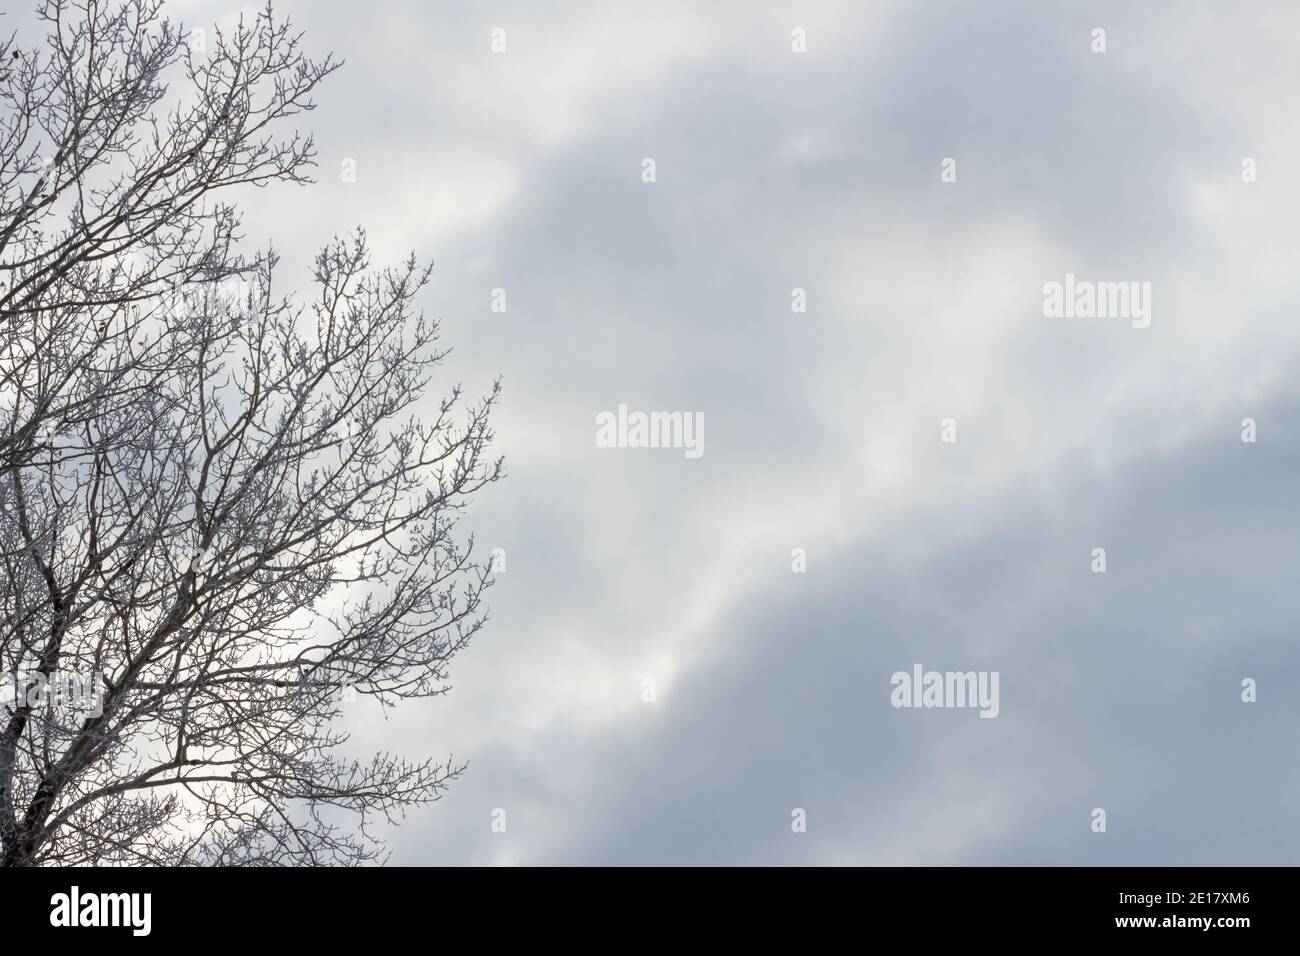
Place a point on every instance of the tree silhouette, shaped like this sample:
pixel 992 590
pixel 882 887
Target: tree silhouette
pixel 221 512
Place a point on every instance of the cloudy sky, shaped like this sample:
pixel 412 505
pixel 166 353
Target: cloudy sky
pixel 821 170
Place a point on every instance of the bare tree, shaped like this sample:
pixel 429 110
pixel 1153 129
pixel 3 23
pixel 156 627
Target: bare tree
pixel 221 510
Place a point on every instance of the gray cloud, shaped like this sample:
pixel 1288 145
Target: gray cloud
pixel 821 171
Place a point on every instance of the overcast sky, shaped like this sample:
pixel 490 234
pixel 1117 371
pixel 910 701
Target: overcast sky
pixel 821 170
